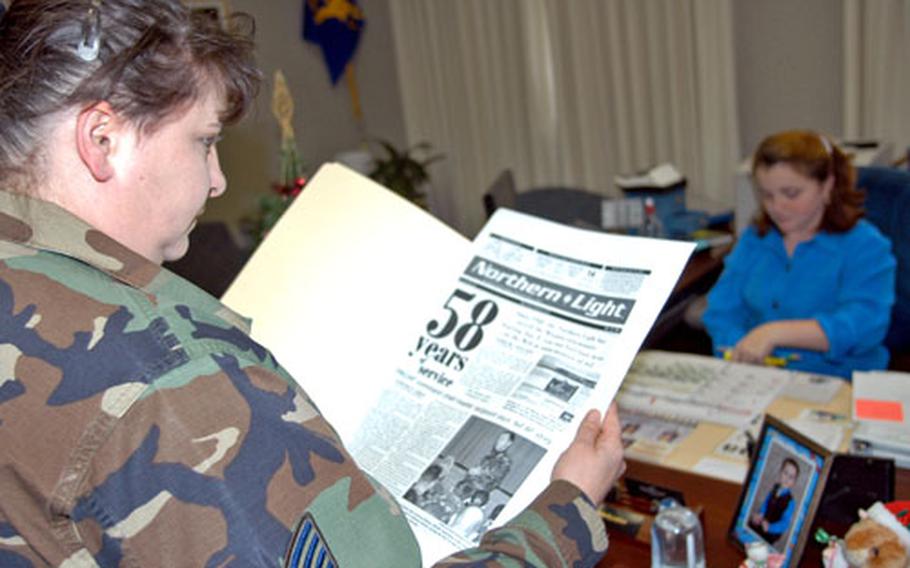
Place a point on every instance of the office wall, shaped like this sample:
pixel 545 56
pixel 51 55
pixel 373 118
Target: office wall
pixel 789 74
pixel 323 119
pixel 789 64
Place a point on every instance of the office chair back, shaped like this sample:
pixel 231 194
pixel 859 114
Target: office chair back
pixel 502 193
pixel 888 208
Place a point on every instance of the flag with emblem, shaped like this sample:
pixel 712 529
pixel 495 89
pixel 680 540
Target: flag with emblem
pixel 335 26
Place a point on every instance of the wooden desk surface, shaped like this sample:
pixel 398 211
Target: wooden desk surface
pixel 700 266
pixel 717 498
pixel 707 436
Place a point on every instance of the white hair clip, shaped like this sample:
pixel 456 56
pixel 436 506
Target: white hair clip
pixel 90 45
pixel 825 143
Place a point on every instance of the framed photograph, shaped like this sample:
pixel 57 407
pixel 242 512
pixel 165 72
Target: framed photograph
pixel 216 9
pixel 786 480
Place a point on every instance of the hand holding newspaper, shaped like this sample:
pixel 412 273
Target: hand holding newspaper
pixel 455 373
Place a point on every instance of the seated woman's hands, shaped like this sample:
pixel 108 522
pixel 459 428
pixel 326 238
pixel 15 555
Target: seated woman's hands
pixel 761 341
pixel 756 345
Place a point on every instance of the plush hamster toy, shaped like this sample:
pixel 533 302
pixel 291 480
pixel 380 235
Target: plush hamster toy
pixel 879 539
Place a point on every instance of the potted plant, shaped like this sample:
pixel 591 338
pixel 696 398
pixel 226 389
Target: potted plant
pixel 404 171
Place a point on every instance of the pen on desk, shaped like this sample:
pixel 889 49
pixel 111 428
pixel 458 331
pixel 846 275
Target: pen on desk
pixel 615 519
pixel 770 360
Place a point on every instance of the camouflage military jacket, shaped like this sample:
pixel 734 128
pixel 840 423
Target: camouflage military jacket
pixel 141 426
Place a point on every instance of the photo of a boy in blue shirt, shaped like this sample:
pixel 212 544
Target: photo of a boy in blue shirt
pixel 773 518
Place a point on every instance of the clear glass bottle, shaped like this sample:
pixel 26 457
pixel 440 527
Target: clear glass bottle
pixel 652 227
pixel 676 537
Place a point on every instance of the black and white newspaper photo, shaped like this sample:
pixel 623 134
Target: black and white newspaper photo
pixel 470 482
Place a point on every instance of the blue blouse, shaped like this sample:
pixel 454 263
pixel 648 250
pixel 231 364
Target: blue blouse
pixel 844 281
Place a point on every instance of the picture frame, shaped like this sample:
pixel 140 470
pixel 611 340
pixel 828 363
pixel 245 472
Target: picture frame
pixel 216 9
pixel 782 491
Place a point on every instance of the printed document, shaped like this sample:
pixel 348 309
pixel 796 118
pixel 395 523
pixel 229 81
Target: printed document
pixel 700 388
pixel 450 369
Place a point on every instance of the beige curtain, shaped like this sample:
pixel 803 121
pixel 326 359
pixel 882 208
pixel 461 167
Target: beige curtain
pixel 567 93
pixel 876 76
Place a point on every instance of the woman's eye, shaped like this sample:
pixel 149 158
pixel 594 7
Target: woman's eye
pixel 210 141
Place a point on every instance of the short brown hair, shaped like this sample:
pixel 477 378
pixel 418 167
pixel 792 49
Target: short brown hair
pixel 155 57
pixel 815 156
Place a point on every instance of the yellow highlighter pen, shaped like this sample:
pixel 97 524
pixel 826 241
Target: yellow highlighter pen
pixel 769 360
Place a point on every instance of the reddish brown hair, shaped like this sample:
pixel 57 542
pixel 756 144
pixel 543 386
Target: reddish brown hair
pixel 815 156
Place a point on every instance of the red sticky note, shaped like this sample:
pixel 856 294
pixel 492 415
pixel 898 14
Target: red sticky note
pixel 888 410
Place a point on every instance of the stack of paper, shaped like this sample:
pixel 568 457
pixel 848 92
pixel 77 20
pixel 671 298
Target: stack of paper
pixel 880 403
pixel 699 388
pixel 660 176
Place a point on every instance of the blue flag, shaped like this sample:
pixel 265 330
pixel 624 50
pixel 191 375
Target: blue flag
pixel 335 26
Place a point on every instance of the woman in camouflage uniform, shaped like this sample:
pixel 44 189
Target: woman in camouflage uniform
pixel 139 423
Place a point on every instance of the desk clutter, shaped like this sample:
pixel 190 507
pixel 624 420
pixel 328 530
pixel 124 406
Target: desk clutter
pixel 658 519
pixel 654 204
pixel 705 431
pixel 666 396
pixel 880 405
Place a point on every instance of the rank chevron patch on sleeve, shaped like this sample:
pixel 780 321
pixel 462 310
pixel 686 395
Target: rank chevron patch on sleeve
pixel 308 548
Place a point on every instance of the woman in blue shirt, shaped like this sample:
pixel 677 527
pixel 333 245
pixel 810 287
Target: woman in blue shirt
pixel 810 280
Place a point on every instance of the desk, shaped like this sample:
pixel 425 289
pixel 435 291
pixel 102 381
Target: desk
pixel 718 498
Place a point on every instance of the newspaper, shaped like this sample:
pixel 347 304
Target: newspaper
pixel 651 438
pixel 700 388
pixel 536 323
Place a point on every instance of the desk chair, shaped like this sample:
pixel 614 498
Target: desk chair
pixel 888 208
pixel 569 205
pixel 502 193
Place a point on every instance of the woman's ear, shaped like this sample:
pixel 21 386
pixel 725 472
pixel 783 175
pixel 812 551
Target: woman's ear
pixel 96 131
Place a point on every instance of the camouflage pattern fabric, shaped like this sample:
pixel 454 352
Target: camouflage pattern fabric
pixel 141 426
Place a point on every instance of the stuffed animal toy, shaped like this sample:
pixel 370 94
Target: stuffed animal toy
pixel 880 539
